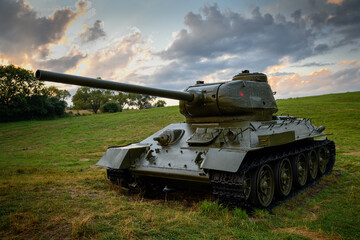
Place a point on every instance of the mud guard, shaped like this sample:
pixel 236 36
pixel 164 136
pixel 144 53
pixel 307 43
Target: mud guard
pixel 223 160
pixel 121 157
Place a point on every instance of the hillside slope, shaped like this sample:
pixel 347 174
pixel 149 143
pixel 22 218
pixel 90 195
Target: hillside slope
pixel 50 186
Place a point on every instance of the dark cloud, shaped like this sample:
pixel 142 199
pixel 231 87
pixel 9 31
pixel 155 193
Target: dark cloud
pixel 321 48
pixel 343 18
pixel 281 74
pixel 314 64
pixel 318 19
pixel 23 34
pixel 217 45
pixel 296 15
pixel 92 33
pixel 213 33
pixel 64 63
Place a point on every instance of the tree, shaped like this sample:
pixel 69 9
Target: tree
pixel 140 100
pixel 80 99
pixel 55 92
pixel 23 97
pixel 121 98
pixel 16 84
pixel 90 98
pixel 160 103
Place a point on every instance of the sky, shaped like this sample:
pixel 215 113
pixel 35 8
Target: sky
pixel 308 47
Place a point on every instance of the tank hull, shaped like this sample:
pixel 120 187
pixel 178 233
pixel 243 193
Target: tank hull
pixel 204 153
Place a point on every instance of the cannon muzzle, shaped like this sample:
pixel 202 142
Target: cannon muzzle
pixel 123 87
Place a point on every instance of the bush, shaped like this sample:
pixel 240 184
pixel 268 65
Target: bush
pixel 22 97
pixel 110 107
pixel 33 107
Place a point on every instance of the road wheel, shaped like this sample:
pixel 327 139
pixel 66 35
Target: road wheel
pixel 300 169
pixel 324 155
pixel 263 186
pixel 313 162
pixel 283 176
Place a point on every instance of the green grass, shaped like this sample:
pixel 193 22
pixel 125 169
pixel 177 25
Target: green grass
pixel 50 187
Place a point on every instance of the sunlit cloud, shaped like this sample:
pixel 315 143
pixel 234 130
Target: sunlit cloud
pixel 316 83
pixel 335 1
pixel 27 37
pixel 118 59
pixel 276 68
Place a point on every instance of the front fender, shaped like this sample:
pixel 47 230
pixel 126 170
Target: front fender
pixel 121 157
pixel 223 159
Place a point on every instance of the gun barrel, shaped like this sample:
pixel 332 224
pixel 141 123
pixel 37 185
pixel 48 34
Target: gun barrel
pixel 124 87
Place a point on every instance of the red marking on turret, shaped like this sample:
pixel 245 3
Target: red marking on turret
pixel 241 94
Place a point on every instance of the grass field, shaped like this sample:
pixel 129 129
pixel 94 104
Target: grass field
pixel 50 187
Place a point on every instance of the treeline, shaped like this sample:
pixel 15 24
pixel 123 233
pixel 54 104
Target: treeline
pixel 22 97
pixel 111 101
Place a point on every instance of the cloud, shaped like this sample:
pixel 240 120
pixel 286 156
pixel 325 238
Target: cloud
pixel 347 19
pixel 212 33
pixel 316 83
pixel 321 48
pixel 24 35
pixel 118 58
pixel 215 45
pixel 341 17
pixel 63 63
pixel 93 33
pixel 314 64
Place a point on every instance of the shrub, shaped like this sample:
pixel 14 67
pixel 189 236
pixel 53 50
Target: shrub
pixel 110 107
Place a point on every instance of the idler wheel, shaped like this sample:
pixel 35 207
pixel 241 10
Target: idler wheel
pixel 313 164
pixel 283 175
pixel 263 186
pixel 300 169
pixel 324 155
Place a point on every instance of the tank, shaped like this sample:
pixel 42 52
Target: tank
pixel 231 143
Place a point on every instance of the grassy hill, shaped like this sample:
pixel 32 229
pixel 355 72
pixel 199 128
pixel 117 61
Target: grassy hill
pixel 50 187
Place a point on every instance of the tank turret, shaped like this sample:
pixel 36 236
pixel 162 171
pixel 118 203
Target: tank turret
pixel 247 97
pixel 231 143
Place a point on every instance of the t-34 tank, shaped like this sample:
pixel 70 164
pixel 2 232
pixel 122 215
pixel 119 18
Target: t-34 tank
pixel 231 142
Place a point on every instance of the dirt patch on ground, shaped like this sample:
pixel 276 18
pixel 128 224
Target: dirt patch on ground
pixel 99 154
pixel 96 167
pixel 352 154
pixel 79 141
pixel 188 198
pixel 10 132
pixel 84 160
pixel 29 149
pixel 51 126
pixel 306 233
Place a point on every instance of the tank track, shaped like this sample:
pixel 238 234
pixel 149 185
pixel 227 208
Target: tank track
pixel 228 187
pixel 119 176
